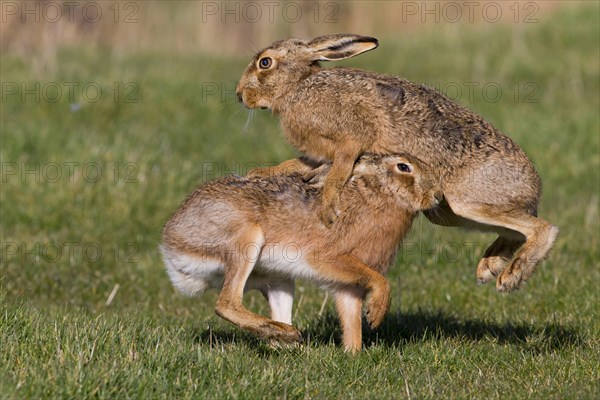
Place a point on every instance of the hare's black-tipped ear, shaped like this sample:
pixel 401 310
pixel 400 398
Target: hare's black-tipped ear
pixel 340 46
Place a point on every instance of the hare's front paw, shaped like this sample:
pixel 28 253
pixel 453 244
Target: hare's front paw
pixel 328 215
pixel 330 209
pixel 378 305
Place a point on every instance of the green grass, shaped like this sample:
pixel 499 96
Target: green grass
pixel 445 337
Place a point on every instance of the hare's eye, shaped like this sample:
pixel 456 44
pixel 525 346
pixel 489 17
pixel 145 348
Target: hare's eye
pixel 404 168
pixel 265 63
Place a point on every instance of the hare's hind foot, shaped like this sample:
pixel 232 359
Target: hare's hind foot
pixel 257 324
pixel 496 258
pixel 539 237
pixel 280 332
pixel 534 250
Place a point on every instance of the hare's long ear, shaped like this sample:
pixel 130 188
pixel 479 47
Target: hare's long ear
pixel 339 46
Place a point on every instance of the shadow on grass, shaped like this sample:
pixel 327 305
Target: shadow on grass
pixel 423 326
pixel 414 327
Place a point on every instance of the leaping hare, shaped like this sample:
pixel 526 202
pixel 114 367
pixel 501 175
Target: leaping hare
pixel 337 114
pixel 261 233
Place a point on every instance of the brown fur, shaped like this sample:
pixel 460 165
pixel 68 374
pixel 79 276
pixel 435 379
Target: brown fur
pixel 242 224
pixel 337 114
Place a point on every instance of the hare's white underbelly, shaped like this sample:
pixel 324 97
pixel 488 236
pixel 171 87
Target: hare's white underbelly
pixel 285 259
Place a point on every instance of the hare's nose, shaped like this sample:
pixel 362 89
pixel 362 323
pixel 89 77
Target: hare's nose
pixel 239 96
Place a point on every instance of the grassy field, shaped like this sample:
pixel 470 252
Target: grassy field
pixel 87 182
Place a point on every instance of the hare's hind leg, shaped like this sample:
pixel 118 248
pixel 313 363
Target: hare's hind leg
pixel 535 249
pixel 348 303
pixel 238 267
pixel 498 254
pixel 539 237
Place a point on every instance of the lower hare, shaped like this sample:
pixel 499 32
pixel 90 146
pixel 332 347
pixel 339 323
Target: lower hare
pixel 239 233
pixel 337 114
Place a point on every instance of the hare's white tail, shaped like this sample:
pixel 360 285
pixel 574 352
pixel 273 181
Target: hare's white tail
pixel 190 274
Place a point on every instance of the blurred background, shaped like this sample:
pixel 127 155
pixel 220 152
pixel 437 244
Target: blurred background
pixel 40 28
pixel 113 111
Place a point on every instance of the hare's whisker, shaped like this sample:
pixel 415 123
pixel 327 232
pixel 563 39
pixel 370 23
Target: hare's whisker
pixel 248 121
pixel 255 48
pixel 236 112
pixel 226 102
